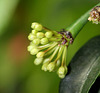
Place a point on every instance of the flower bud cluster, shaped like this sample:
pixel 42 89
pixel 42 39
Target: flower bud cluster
pixel 50 48
pixel 95 15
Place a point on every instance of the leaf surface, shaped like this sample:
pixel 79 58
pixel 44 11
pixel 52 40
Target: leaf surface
pixel 84 69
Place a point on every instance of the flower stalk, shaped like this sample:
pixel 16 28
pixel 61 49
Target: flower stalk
pixel 76 27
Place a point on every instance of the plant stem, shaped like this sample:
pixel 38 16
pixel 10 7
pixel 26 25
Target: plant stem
pixel 78 24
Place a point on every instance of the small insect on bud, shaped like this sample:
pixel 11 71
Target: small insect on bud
pixel 40 35
pixel 34 51
pixel 51 66
pixel 44 66
pixel 31 36
pixel 36 41
pixel 44 41
pixel 40 54
pixel 38 61
pixel 36 26
pixel 34 32
pixel 48 34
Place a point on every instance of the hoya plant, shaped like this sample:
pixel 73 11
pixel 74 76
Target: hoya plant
pixel 50 48
pixel 44 50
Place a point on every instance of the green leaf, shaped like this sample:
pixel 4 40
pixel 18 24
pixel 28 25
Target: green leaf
pixel 84 69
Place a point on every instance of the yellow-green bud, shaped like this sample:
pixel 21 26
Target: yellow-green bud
pixel 36 41
pixel 34 51
pixel 30 47
pixel 61 76
pixel 44 40
pixel 51 66
pixel 36 26
pixel 40 54
pixel 34 32
pixel 40 35
pixel 62 71
pixel 48 34
pixel 38 61
pixel 58 63
pixel 31 36
pixel 44 66
pixel 46 60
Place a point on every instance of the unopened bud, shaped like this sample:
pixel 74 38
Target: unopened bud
pixel 48 34
pixel 34 51
pixel 40 54
pixel 62 71
pixel 40 35
pixel 38 61
pixel 61 76
pixel 46 60
pixel 34 32
pixel 44 66
pixel 36 41
pixel 36 26
pixel 44 40
pixel 31 36
pixel 51 66
pixel 30 47
pixel 58 63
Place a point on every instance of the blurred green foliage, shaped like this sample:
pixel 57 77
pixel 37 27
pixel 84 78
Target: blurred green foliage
pixel 18 74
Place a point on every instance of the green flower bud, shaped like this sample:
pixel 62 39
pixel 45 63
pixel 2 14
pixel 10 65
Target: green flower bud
pixel 61 76
pixel 38 61
pixel 30 47
pixel 31 36
pixel 36 41
pixel 44 40
pixel 34 32
pixel 58 63
pixel 40 35
pixel 40 54
pixel 46 60
pixel 34 24
pixel 44 66
pixel 51 66
pixel 61 70
pixel 38 27
pixel 34 51
pixel 48 34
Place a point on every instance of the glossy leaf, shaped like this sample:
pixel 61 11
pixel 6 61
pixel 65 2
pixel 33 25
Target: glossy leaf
pixel 84 69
